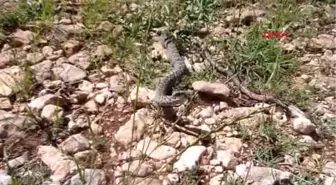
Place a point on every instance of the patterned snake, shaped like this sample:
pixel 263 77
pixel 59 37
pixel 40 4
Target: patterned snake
pixel 164 95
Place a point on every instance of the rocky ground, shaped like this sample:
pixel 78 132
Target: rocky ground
pixel 77 78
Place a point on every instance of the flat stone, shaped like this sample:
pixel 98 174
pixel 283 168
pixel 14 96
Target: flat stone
pixel 10 79
pixel 154 150
pixel 189 159
pixel 75 143
pixel 69 73
pixel 212 89
pixel 60 164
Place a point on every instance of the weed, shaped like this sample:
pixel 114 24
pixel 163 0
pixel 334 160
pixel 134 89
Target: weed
pixel 47 10
pixel 266 155
pixel 16 15
pixel 23 89
pixel 191 177
pixel 260 61
pixel 96 11
pixel 302 179
pixel 285 12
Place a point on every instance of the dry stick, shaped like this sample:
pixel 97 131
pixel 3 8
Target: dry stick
pixel 219 128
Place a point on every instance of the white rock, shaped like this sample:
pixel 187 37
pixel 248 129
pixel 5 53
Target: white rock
pixel 52 113
pixel 9 78
pixel 214 89
pixel 14 163
pixel 173 178
pixel 215 162
pixel 308 140
pixel 330 181
pixel 42 70
pixel 113 152
pixel 303 125
pixel 189 158
pixel 34 57
pixel 143 97
pixel 330 168
pixel 5 179
pixel 154 150
pixel 21 37
pixel 70 47
pixel 96 129
pixel 91 106
pixel 227 158
pixel 210 121
pixel 5 104
pixel 60 165
pixel 86 86
pixel 80 60
pixel 47 51
pixel 75 143
pixel 124 134
pixel 86 156
pixel 40 102
pixel 230 143
pixel 69 73
pixel 264 175
pixel 129 155
pixel 105 26
pixel 219 169
pixel 117 83
pixel 208 112
pixel 173 138
pixel 6 58
pixel 101 85
pixel 100 98
pixel 11 123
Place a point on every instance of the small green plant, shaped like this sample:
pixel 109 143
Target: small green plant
pixel 284 12
pixel 15 15
pixel 191 177
pixel 266 155
pixel 23 88
pixel 97 11
pixel 47 10
pixel 302 179
pixel 260 60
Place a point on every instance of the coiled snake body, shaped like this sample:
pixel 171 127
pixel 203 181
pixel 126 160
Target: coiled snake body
pixel 164 95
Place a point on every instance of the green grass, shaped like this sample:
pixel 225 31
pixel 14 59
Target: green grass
pixel 131 46
pixel 270 143
pixel 16 15
pixel 260 60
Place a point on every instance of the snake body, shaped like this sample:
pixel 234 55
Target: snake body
pixel 164 95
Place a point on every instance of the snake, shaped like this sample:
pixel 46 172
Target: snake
pixel 164 94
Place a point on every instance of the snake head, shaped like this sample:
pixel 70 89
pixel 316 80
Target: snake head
pixel 162 35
